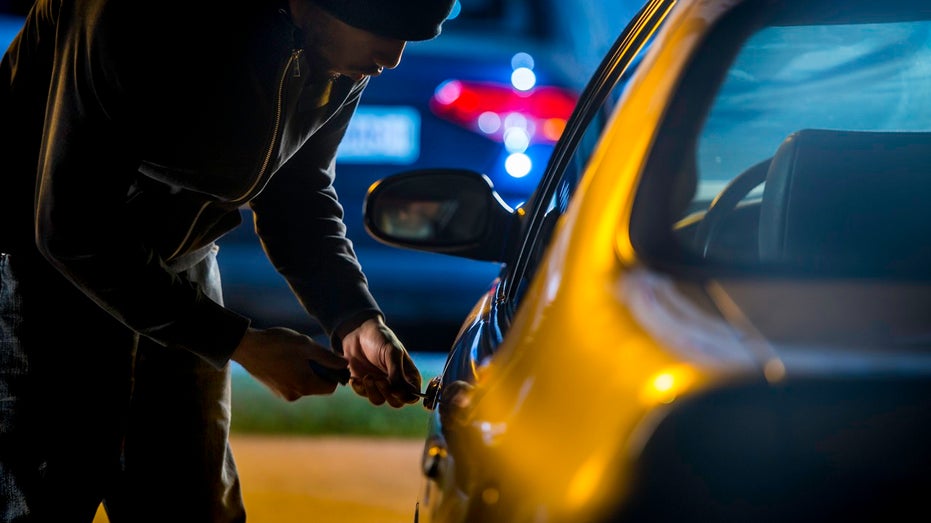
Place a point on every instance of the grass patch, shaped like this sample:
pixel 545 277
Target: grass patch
pixel 255 410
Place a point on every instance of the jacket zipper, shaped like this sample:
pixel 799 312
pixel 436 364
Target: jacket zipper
pixel 293 62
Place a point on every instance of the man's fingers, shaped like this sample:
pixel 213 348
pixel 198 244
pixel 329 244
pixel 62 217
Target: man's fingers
pixel 368 387
pixel 386 393
pixel 358 387
pixel 402 373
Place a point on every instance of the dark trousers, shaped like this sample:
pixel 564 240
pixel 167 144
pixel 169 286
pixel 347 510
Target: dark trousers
pixel 91 412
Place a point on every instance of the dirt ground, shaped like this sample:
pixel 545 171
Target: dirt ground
pixel 340 479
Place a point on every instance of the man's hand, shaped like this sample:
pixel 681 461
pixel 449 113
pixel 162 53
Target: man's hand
pixel 382 370
pixel 280 359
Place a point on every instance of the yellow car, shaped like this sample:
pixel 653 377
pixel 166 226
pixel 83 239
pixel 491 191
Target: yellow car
pixel 717 304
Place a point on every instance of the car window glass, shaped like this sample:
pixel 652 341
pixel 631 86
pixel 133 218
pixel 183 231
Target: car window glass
pixel 811 156
pixel 857 77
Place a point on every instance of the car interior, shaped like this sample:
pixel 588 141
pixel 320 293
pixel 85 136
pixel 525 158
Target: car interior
pixel 852 202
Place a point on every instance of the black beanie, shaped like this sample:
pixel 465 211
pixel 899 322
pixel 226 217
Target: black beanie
pixel 402 19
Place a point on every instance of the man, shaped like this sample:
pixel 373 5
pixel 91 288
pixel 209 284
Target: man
pixel 132 133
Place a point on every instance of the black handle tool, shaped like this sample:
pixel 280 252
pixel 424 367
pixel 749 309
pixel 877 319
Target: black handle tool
pixel 338 375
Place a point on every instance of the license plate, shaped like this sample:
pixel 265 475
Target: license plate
pixel 381 135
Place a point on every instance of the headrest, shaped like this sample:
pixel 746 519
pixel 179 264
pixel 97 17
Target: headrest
pixel 849 201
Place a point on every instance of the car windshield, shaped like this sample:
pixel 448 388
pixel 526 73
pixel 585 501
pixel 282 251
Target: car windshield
pixel 814 147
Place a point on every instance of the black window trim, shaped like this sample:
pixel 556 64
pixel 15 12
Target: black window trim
pixel 609 73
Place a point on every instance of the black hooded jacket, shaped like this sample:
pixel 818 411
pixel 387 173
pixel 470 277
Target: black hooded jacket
pixel 132 131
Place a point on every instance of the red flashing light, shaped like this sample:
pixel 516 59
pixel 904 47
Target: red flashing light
pixel 485 107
